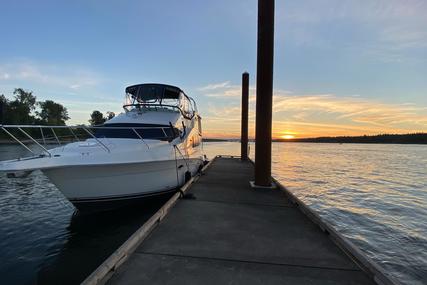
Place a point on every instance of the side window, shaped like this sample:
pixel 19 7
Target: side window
pixel 195 140
pixel 199 124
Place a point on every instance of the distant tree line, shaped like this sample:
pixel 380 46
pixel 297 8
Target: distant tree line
pixel 415 138
pixel 24 109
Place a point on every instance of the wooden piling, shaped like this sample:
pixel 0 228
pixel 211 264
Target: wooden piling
pixel 245 108
pixel 264 92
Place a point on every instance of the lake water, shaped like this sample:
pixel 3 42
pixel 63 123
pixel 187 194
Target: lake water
pixel 375 195
pixel 44 241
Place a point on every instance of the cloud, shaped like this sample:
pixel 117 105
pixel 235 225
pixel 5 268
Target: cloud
pixel 215 86
pixel 224 90
pixel 75 86
pixel 70 77
pixel 400 37
pixel 356 110
pixel 5 76
pixel 372 10
pixel 383 30
pixel 229 92
pixel 317 114
pixel 66 84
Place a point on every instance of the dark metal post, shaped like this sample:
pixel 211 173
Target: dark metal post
pixel 1 112
pixel 264 92
pixel 245 107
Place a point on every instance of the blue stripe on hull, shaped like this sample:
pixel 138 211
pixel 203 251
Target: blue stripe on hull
pixel 109 203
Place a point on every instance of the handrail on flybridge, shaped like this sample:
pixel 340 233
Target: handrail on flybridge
pixel 86 129
pixel 187 115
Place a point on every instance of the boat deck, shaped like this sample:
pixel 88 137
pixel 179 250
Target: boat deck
pixel 233 234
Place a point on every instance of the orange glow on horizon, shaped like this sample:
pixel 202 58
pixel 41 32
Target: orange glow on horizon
pixel 309 134
pixel 312 115
pixel 287 137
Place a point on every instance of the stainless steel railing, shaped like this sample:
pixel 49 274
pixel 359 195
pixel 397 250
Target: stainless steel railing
pixel 74 133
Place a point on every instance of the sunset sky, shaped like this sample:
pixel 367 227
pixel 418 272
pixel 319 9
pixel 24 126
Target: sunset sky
pixel 341 67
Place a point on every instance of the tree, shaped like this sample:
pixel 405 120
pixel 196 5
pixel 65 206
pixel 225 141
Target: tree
pixel 25 98
pixel 19 110
pixel 52 113
pixel 4 104
pixel 97 118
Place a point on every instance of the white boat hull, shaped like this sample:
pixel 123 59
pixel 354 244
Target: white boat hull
pixel 104 184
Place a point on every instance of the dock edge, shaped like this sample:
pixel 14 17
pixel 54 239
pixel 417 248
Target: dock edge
pixel 350 249
pixel 104 272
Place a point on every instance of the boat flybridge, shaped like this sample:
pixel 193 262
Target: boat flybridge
pixel 153 147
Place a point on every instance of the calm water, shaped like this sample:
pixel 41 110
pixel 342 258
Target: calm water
pixel 43 240
pixel 376 195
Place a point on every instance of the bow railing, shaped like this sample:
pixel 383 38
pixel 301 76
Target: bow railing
pixel 58 135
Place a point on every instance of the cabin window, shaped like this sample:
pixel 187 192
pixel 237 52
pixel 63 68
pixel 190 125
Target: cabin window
pixel 125 131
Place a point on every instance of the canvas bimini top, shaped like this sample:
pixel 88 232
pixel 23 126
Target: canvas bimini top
pixel 150 92
pixel 154 95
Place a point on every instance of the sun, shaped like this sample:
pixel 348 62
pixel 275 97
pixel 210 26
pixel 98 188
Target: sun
pixel 287 137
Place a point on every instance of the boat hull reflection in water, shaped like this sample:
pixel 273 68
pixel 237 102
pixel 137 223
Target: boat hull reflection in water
pixel 92 238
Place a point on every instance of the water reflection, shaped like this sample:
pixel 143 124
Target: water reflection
pixel 376 195
pixel 91 239
pixel 42 237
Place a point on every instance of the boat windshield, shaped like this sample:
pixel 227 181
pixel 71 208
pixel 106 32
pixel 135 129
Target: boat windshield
pixel 136 131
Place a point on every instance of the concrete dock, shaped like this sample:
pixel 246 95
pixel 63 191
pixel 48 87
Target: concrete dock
pixel 229 233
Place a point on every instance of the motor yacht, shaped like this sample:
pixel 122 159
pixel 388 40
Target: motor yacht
pixel 153 147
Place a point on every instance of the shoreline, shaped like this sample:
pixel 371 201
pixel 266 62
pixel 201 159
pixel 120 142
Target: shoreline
pixel 11 142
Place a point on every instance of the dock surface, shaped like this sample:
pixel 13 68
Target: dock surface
pixel 233 234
